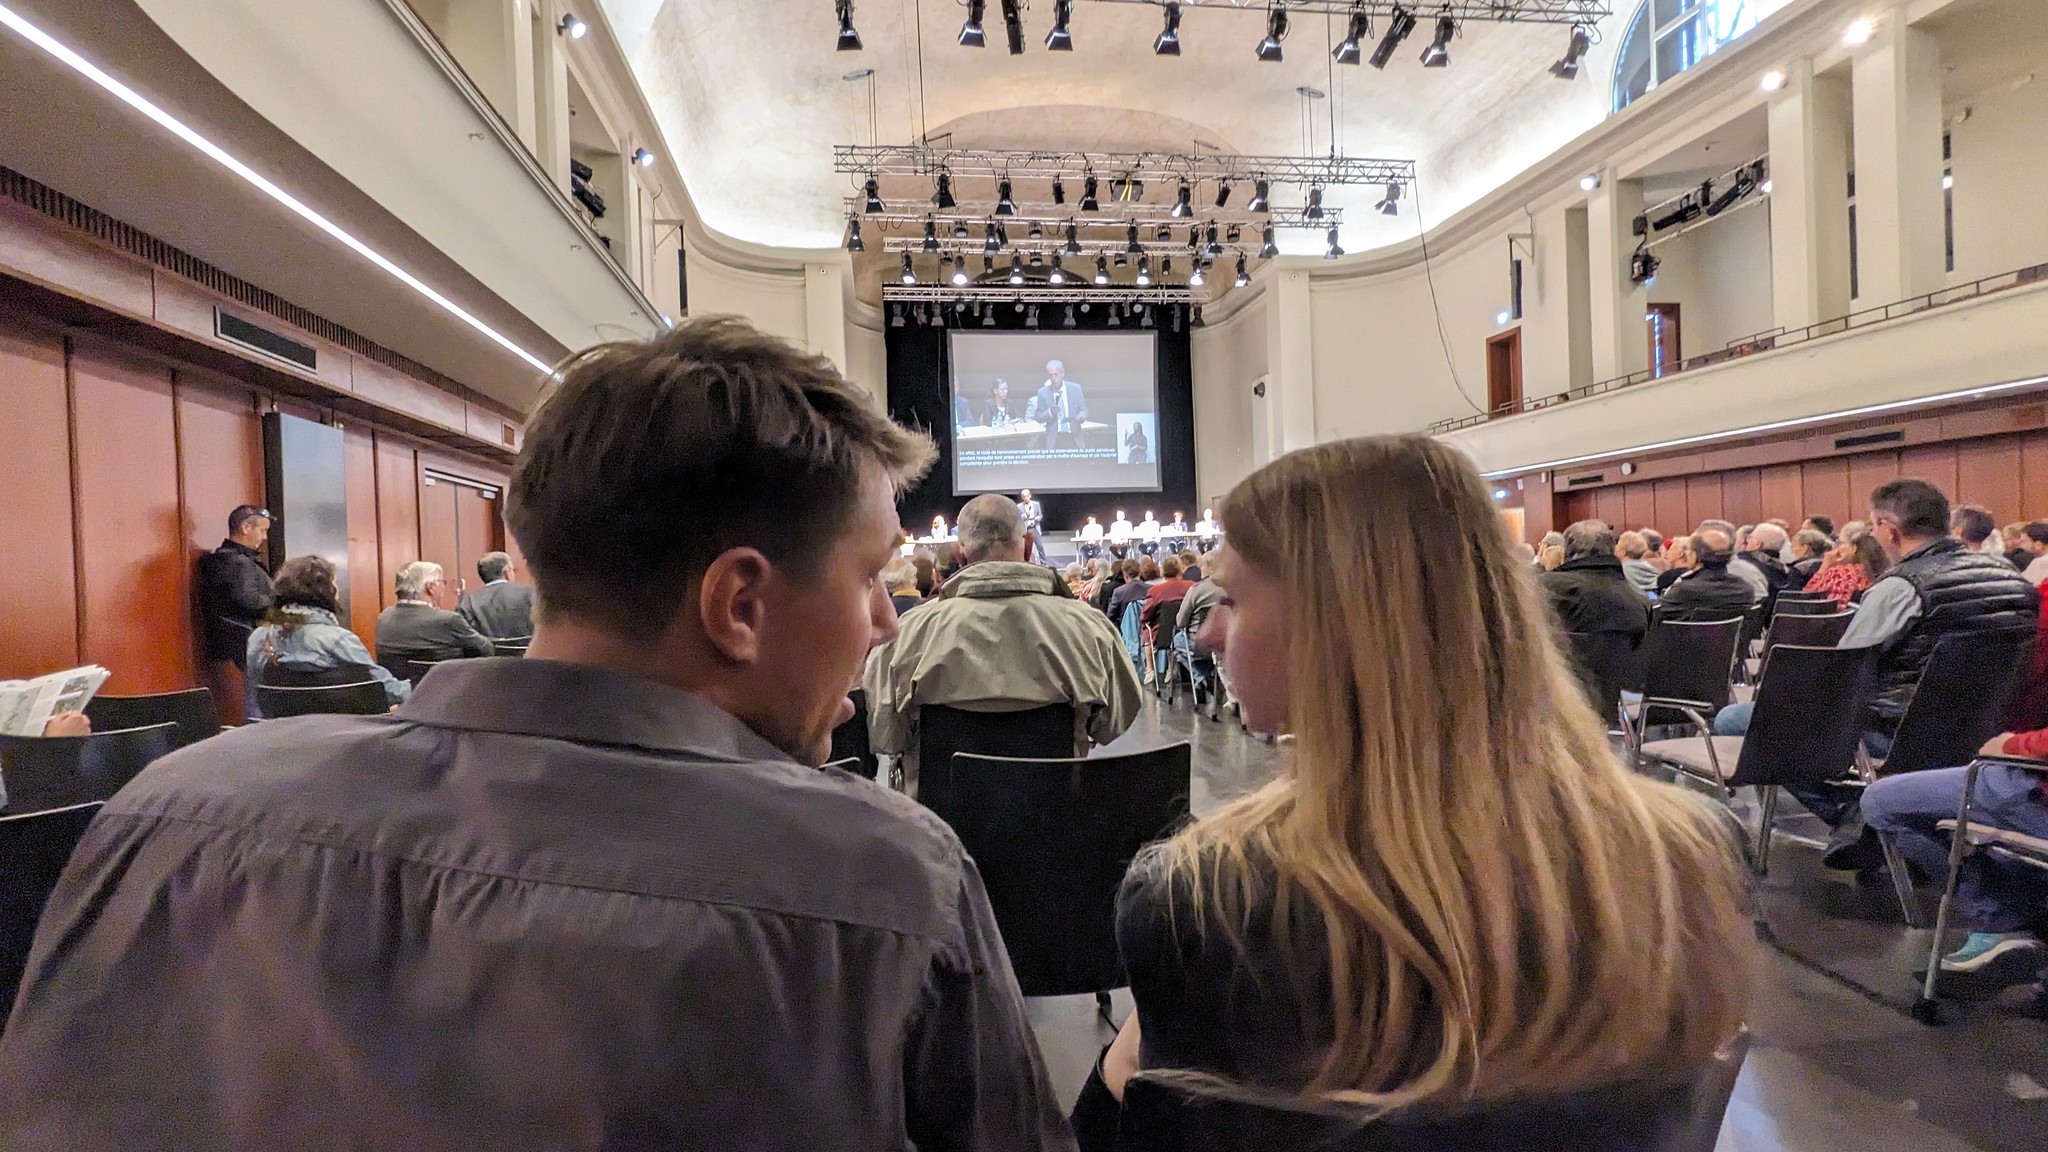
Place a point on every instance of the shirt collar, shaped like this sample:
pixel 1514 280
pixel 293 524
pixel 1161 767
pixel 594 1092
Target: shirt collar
pixel 583 705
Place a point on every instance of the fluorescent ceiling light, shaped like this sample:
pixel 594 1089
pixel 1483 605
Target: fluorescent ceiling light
pixel 219 155
pixel 1774 426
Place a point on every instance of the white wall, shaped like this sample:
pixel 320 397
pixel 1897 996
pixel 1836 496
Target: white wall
pixel 866 364
pixel 2000 162
pixel 1719 275
pixel 772 301
pixel 1229 357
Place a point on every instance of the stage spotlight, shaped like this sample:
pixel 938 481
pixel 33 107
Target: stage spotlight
pixel 576 29
pixel 1168 43
pixel 943 194
pixel 1122 261
pixel 1037 231
pixel 1164 235
pixel 1214 249
pixel 989 244
pixel 1314 211
pixel 1358 29
pixel 1568 67
pixel 1061 38
pixel 1068 322
pixel 853 243
pixel 959 229
pixel 971 34
pixel 1088 201
pixel 1037 260
pixel 1223 194
pixel 1002 234
pixel 1438 54
pixel 1244 278
pixel 1101 270
pixel 1332 249
pixel 1073 244
pixel 849 40
pixel 1059 275
pixel 931 235
pixel 1268 250
pixel 1399 25
pixel 1390 205
pixel 1131 244
pixel 873 191
pixel 1165 267
pixel 1016 268
pixel 960 273
pixel 1144 317
pixel 1144 272
pixel 909 274
pixel 643 157
pixel 1004 205
pixel 988 265
pixel 1233 234
pixel 1589 181
pixel 1195 237
pixel 1059 191
pixel 1113 321
pixel 1013 26
pixel 1260 201
pixel 1183 206
pixel 1195 278
pixel 1276 31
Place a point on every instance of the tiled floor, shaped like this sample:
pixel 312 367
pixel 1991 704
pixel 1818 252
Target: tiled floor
pixel 1831 1071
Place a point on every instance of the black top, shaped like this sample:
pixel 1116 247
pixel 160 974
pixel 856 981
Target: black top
pixel 1710 592
pixel 1590 594
pixel 234 593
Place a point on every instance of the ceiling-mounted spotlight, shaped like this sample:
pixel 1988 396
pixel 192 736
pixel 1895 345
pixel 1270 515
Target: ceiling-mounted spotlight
pixel 1244 277
pixel 1772 81
pixel 1088 201
pixel 1061 38
pixel 1165 233
pixel 909 274
pixel 1314 211
pixel 1068 322
pixel 1073 244
pixel 853 243
pixel 989 244
pixel 1438 54
pixel 576 29
pixel 1183 206
pixel 1269 249
pixel 1165 267
pixel 1589 181
pixel 1390 204
pixel 1059 191
pixel 1058 274
pixel 1122 261
pixel 971 34
pixel 931 235
pixel 1567 68
pixel 1131 244
pixel 1004 205
pixel 1223 193
pixel 1260 201
pixel 1332 249
pixel 849 40
pixel 959 229
pixel 1002 234
pixel 1399 25
pixel 1233 234
pixel 1016 268
pixel 1013 26
pixel 1276 31
pixel 1359 28
pixel 1168 43
pixel 1195 278
pixel 1195 237
pixel 943 194
pixel 1113 321
pixel 1144 317
pixel 1038 259
pixel 1214 249
pixel 1037 231
pixel 873 191
pixel 1101 270
pixel 1144 272
pixel 988 265
pixel 643 157
pixel 960 273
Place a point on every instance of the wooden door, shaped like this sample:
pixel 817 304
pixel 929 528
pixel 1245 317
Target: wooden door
pixel 439 537
pixel 38 583
pixel 1504 373
pixel 476 532
pixel 1662 326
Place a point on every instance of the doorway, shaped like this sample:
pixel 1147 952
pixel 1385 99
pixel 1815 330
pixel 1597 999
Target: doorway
pixel 1662 324
pixel 458 523
pixel 1504 373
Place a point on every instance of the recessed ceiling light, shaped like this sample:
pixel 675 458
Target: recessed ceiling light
pixel 1773 80
pixel 1859 31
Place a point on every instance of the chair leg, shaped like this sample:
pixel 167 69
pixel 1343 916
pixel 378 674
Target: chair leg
pixel 1902 883
pixel 1102 1008
pixel 1767 819
pixel 1927 1009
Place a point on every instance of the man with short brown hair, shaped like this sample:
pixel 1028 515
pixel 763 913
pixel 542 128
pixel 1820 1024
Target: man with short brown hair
pixel 597 897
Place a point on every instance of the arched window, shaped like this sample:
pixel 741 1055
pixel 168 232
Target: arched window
pixel 1668 36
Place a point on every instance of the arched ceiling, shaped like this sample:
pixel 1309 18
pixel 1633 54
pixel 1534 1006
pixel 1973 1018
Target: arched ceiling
pixel 751 100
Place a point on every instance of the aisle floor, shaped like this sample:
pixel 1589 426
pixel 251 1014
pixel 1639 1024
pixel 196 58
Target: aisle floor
pixel 1831 1070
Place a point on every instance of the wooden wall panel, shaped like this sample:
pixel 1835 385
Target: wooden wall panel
pixel 134 570
pixel 2034 476
pixel 1638 505
pixel 1742 500
pixel 220 457
pixel 438 534
pixel 366 575
pixel 1572 507
pixel 476 532
pixel 1779 490
pixel 1609 505
pixel 1988 473
pixel 1826 484
pixel 38 589
pixel 398 513
pixel 1934 463
pixel 1670 502
pixel 1702 500
pixel 1866 472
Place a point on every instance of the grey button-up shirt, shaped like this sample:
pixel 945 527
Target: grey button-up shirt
pixel 542 906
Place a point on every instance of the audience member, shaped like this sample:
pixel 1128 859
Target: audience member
pixel 1162 609
pixel 1974 526
pixel 1854 529
pixel 1195 610
pixel 303 644
pixel 1358 932
pixel 1653 545
pixel 1004 635
pixel 1766 542
pixel 1809 553
pixel 597 897
pixel 71 723
pixel 1191 566
pixel 1549 559
pixel 1126 602
pixel 1635 565
pixel 1679 563
pixel 1525 553
pixel 1852 567
pixel 234 589
pixel 2036 570
pixel 1738 539
pixel 899 576
pixel 1075 576
pixel 1589 591
pixel 1710 591
pixel 927 572
pixel 1109 576
pixel 500 610
pixel 1824 525
pixel 2021 546
pixel 414 629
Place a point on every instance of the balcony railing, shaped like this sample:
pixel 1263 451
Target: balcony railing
pixel 1767 341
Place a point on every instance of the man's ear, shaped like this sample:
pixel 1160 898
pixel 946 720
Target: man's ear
pixel 731 605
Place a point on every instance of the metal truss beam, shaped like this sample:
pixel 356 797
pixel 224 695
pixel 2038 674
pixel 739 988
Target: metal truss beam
pixel 1048 216
pixel 1162 167
pixel 975 294
pixel 1494 11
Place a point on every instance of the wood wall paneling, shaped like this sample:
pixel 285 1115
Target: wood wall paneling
pixel 1742 500
pixel 1782 494
pixel 438 534
pixel 38 589
pixel 1866 472
pixel 476 532
pixel 398 512
pixel 220 442
pixel 1826 490
pixel 1934 463
pixel 2034 476
pixel 1670 504
pixel 1702 500
pixel 1609 505
pixel 1988 473
pixel 359 476
pixel 1638 506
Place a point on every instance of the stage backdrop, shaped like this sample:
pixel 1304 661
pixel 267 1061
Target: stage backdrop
pixel 920 396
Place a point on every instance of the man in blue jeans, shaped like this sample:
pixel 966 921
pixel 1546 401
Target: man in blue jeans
pixel 2002 903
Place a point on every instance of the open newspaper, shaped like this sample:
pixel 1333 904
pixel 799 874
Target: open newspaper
pixel 27 705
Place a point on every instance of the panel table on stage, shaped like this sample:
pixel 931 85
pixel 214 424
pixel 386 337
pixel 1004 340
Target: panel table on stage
pixel 1016 434
pixel 1165 544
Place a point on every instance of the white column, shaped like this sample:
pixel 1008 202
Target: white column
pixel 825 313
pixel 1290 361
pixel 1620 344
pixel 1897 93
pixel 1809 168
pixel 519 34
pixel 551 96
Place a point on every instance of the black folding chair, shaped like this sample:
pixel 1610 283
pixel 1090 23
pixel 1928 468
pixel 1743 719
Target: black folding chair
pixel 1607 664
pixel 515 646
pixel 850 740
pixel 43 772
pixel 1964 838
pixel 1045 733
pixel 1801 606
pixel 365 698
pixel 34 847
pixel 1805 730
pixel 191 710
pixel 1687 665
pixel 1053 839
pixel 1810 630
pixel 1960 700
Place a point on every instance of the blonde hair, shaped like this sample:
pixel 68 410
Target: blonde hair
pixel 1551 557
pixel 1508 910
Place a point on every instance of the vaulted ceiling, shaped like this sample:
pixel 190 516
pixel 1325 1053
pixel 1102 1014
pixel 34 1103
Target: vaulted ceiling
pixel 752 98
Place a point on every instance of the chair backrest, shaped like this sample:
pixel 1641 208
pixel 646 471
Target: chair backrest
pixel 1607 664
pixel 1960 700
pixel 191 710
pixel 512 647
pixel 33 851
pixel 1036 733
pixel 1053 839
pixel 1690 660
pixel 1808 709
pixel 366 698
pixel 1789 596
pixel 1825 606
pixel 850 740
pixel 1810 630
pixel 279 676
pixel 407 667
pixel 44 772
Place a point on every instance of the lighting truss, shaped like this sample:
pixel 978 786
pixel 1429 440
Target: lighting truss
pixel 1120 216
pixel 1150 167
pixel 1497 11
pixel 1167 294
pixel 1738 188
pixel 1049 248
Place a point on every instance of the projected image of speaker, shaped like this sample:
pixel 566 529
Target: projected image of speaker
pixel 1068 412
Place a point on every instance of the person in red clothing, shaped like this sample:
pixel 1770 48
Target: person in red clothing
pixel 1850 567
pixel 1162 605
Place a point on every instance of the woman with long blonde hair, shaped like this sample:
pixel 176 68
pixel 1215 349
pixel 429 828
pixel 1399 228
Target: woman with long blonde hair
pixel 1453 893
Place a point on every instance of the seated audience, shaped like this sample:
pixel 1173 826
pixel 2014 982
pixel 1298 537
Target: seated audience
pixel 1851 568
pixel 1809 553
pixel 1766 541
pixel 1075 576
pixel 1653 542
pixel 1974 526
pixel 1525 553
pixel 899 576
pixel 1589 591
pixel 1549 559
pixel 1195 610
pixel 927 572
pixel 1358 932
pixel 1634 552
pixel 500 610
pixel 1738 540
pixel 1139 577
pixel 1710 591
pixel 598 898
pixel 1191 567
pixel 1108 575
pixel 1825 525
pixel 2020 546
pixel 2036 570
pixel 1678 563
pixel 1162 609
pixel 1004 635
pixel 304 643
pixel 1855 529
pixel 414 629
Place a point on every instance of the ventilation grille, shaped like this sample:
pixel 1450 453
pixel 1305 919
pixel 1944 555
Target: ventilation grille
pixel 236 330
pixel 1582 481
pixel 1866 439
